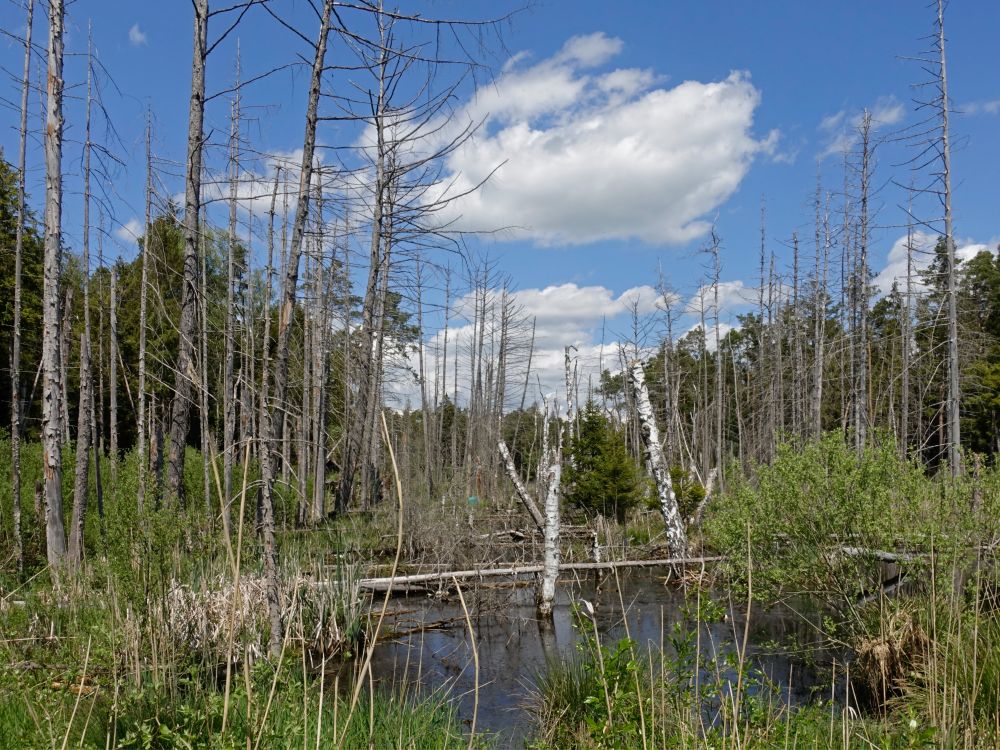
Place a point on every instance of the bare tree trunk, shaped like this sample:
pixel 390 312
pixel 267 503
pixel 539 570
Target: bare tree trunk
pixel 113 373
pixel 954 385
pixel 85 412
pixel 522 491
pixel 142 447
pixel 819 320
pixel 184 375
pixel 676 538
pixel 203 415
pixel 271 429
pixel 904 408
pixel 425 416
pixel 719 437
pixel 15 357
pixel 551 557
pixel 66 329
pixel 570 413
pixel 52 432
pixel 862 386
pixel 359 438
pixel 265 357
pixel 228 382
pixel 798 364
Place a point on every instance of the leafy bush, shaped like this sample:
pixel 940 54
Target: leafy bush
pixel 801 521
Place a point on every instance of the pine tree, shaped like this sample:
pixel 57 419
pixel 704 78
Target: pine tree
pixel 600 477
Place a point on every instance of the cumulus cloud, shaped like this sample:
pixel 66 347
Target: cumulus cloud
pixel 840 129
pixel 136 36
pixel 922 244
pixel 130 231
pixel 588 318
pixel 586 155
pixel 733 295
pixel 990 107
pixel 255 186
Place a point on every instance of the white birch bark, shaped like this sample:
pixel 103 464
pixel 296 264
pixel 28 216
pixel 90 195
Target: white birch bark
pixel 522 491
pixel 550 570
pixel 676 538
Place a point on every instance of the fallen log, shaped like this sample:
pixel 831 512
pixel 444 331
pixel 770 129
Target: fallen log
pixel 882 555
pixel 403 583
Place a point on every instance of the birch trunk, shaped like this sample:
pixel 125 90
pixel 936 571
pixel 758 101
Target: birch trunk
pixel 522 491
pixel 676 538
pixel 550 563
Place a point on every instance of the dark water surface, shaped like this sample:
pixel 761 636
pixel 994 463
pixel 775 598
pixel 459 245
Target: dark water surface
pixel 428 644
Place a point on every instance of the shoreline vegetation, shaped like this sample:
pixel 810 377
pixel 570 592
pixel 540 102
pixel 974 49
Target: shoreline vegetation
pixel 297 420
pixel 127 655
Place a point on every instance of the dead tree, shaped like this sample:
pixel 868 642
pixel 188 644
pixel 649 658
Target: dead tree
pixel 228 381
pixel 142 447
pixel 86 406
pixel 15 357
pixel 862 407
pixel 676 537
pixel 551 557
pixel 272 426
pixel 113 372
pixel 184 374
pixel 52 431
pixel 953 410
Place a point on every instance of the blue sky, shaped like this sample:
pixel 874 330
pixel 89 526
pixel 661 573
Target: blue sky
pixel 627 129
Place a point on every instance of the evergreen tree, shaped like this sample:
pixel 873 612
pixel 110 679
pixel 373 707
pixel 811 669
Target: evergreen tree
pixel 600 476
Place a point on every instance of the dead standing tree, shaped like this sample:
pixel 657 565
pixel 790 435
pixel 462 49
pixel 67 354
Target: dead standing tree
pixel 52 428
pixel 271 429
pixel 15 357
pixel 185 375
pixel 676 537
pixel 409 133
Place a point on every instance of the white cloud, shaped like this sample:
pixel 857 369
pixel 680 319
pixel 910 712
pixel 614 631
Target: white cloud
pixel 723 329
pixel 589 156
pixel 888 111
pixel 990 107
pixel 564 315
pixel 922 244
pixel 130 231
pixel 136 36
pixel 255 187
pixel 733 295
pixel 841 128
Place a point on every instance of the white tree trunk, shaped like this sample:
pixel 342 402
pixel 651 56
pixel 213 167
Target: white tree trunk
pixel 550 571
pixel 522 491
pixel 676 538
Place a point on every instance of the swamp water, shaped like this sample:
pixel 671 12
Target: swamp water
pixel 426 642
